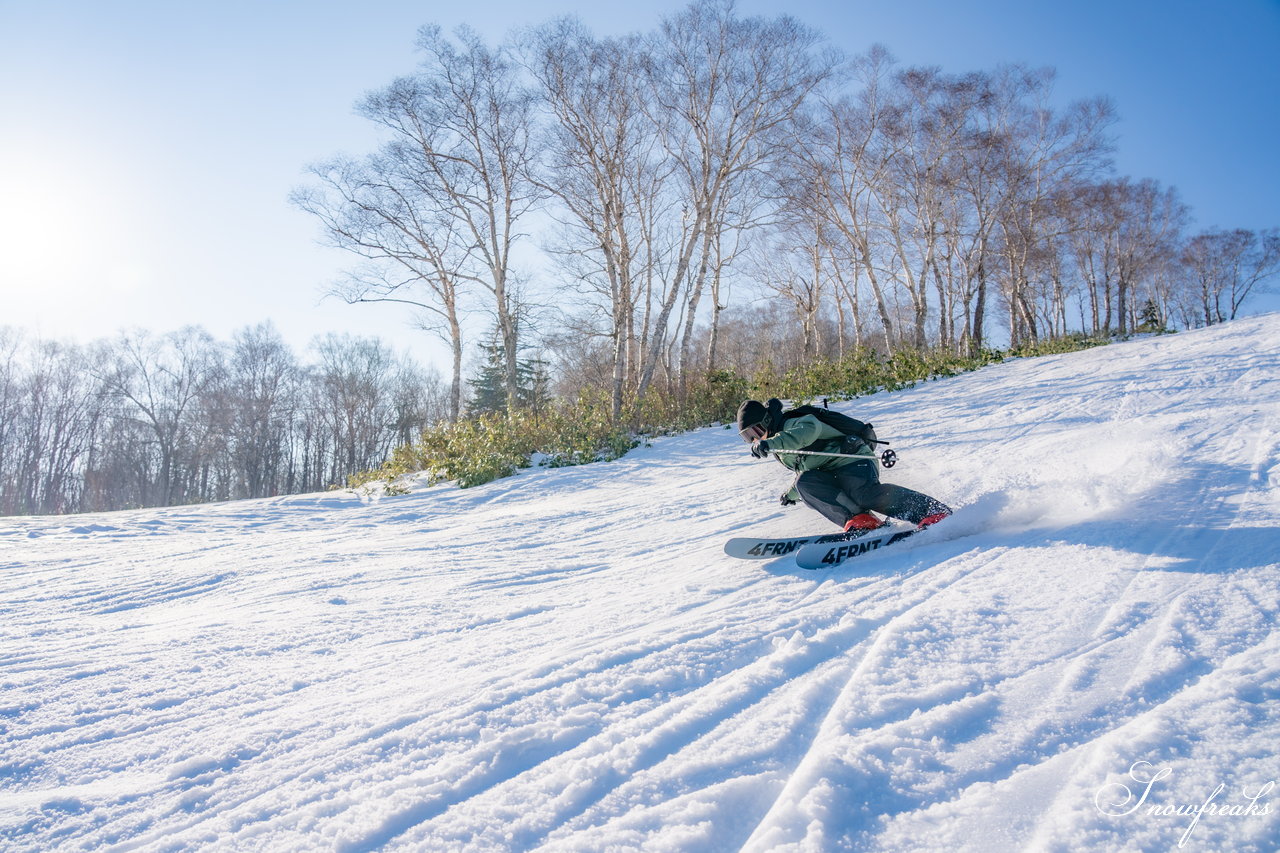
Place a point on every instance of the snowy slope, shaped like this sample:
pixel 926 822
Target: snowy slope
pixel 565 660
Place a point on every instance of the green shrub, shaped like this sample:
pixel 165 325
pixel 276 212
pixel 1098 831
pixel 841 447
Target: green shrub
pixel 477 450
pixel 865 371
pixel 1056 346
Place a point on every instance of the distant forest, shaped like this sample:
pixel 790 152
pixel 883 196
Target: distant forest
pixel 632 215
pixel 147 420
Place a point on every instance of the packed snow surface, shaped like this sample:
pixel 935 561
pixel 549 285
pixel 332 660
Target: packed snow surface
pixel 1085 657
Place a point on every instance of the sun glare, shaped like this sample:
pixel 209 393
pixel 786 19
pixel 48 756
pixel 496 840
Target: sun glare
pixel 66 255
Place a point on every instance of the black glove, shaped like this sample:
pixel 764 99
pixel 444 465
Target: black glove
pixel 760 449
pixel 786 499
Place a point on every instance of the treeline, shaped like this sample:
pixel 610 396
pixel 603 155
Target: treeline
pixel 159 420
pixel 718 164
pixel 490 444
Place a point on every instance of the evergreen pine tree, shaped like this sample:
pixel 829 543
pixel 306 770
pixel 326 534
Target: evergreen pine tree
pixel 488 388
pixel 489 391
pixel 1150 319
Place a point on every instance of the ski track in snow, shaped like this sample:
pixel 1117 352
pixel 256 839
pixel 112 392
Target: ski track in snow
pixel 565 660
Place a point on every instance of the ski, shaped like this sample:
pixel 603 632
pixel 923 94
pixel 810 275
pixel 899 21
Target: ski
pixel 745 548
pixel 822 555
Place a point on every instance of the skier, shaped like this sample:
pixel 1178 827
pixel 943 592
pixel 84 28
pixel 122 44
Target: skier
pixel 846 491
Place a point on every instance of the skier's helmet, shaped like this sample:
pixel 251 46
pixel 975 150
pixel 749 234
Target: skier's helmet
pixel 753 420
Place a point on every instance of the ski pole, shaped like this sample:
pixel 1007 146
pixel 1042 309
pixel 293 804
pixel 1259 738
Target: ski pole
pixel 820 453
pixel 888 458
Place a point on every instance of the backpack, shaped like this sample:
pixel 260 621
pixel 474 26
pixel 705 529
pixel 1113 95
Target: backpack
pixel 851 427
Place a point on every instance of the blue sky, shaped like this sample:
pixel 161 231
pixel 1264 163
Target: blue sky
pixel 147 148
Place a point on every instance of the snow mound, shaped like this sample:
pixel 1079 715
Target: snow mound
pixel 565 660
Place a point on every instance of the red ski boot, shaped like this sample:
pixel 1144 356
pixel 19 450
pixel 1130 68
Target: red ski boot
pixel 932 519
pixel 862 522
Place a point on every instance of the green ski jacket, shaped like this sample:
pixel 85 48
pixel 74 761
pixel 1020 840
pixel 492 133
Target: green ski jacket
pixel 809 433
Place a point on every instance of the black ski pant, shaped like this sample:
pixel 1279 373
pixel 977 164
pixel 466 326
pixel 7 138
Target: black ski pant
pixel 841 493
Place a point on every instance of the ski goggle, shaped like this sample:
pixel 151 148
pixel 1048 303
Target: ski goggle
pixel 752 433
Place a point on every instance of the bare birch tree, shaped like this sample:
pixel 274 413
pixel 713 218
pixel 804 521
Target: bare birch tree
pixel 390 211
pixel 1226 267
pixel 844 160
pixel 1149 229
pixel 1044 154
pixel 724 89
pixel 602 169
pixel 476 144
pixel 441 203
